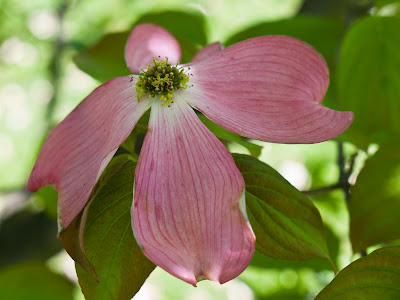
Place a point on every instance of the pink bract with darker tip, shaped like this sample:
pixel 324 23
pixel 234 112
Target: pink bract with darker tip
pixel 189 213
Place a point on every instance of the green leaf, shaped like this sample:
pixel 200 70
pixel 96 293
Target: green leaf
pixel 108 239
pixel 375 276
pixel 368 77
pixel 286 223
pixel 261 261
pixel 70 238
pixel 227 136
pixel 318 264
pixel 106 60
pixel 324 34
pixel 134 142
pixel 33 281
pixel 325 8
pixel 47 197
pixel 375 199
pixel 27 236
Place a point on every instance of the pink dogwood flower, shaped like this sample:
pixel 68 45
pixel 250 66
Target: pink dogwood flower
pixel 188 213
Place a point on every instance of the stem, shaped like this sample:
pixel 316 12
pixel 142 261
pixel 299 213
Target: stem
pixel 344 174
pixel 55 66
pixel 322 190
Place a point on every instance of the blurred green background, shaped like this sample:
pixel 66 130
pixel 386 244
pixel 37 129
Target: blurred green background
pixel 48 65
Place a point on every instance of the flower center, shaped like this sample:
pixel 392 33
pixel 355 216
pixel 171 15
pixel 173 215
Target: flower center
pixel 161 80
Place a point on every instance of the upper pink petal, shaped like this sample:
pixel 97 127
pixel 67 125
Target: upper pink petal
pixel 79 148
pixel 189 211
pixel 267 88
pixel 148 41
pixel 207 51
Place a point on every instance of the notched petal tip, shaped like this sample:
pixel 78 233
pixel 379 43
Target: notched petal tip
pixel 78 149
pixel 187 207
pixel 207 52
pixel 34 183
pixel 350 116
pixel 267 88
pixel 148 41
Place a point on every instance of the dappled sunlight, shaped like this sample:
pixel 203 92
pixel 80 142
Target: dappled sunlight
pixel 44 24
pixel 320 211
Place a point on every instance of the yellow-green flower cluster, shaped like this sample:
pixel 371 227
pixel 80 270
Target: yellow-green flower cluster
pixel 161 80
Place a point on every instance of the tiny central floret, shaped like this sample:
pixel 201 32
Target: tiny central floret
pixel 161 80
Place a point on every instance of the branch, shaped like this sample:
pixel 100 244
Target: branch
pixel 344 174
pixel 322 190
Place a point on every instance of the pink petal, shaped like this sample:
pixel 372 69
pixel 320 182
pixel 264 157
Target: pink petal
pixel 148 41
pixel 78 149
pixel 207 51
pixel 267 88
pixel 188 198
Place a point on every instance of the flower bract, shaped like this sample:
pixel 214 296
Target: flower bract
pixel 189 212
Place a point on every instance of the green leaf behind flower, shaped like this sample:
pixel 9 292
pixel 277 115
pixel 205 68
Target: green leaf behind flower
pixel 317 264
pixel 375 199
pixel 375 276
pixel 227 136
pixel 105 60
pixel 286 223
pixel 368 78
pixel 133 143
pixel 108 239
pixel 33 281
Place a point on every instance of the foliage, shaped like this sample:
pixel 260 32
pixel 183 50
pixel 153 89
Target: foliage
pixel 33 281
pixel 352 184
pixel 371 277
pixel 369 57
pixel 286 223
pixel 376 199
pixel 108 242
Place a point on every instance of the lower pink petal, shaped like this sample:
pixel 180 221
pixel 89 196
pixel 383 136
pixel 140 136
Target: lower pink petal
pixel 188 198
pixel 267 88
pixel 79 148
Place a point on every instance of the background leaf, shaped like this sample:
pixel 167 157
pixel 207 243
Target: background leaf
pixel 325 8
pixel 375 199
pixel 133 143
pixel 109 243
pixel 375 276
pixel 286 223
pixel 317 264
pixel 105 60
pixel 27 236
pixel 226 136
pixel 33 281
pixel 368 77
